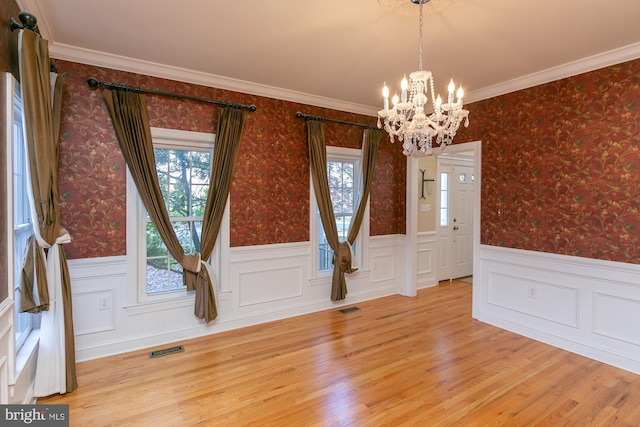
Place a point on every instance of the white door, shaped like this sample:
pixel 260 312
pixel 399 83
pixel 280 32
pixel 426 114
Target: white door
pixel 456 182
pixel 462 221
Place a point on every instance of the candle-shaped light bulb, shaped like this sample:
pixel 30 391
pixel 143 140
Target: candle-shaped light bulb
pixel 452 88
pixel 394 100
pixel 438 103
pixel 404 85
pixel 460 94
pixel 385 95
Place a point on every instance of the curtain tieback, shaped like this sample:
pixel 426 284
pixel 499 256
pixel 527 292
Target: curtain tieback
pixel 345 257
pixel 63 238
pixel 213 281
pixel 192 262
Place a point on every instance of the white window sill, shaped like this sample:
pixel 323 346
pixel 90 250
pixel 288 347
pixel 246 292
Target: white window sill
pixel 325 277
pixel 27 352
pixel 152 306
pixel 169 304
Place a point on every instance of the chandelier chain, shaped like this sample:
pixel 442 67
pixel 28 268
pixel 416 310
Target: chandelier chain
pixel 420 39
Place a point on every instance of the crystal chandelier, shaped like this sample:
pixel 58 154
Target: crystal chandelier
pixel 407 119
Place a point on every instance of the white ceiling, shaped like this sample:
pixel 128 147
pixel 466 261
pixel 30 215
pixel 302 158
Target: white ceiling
pixel 338 53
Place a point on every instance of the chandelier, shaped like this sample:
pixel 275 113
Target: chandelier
pixel 407 120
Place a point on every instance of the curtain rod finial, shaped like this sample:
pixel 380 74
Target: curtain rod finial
pixel 93 83
pixel 28 20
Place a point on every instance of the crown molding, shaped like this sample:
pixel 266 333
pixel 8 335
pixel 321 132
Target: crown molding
pixel 91 57
pixel 584 65
pixel 101 59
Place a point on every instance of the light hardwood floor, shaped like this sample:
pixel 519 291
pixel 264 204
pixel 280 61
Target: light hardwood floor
pixel 419 361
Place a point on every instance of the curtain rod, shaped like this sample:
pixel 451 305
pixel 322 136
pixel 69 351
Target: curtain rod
pixel 307 117
pixel 93 83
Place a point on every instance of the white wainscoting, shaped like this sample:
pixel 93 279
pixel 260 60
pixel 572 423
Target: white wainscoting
pixel 17 372
pixel 427 269
pixel 6 348
pixel 259 284
pixel 590 307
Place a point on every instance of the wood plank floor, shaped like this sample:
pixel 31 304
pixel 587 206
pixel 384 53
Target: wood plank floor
pixel 419 361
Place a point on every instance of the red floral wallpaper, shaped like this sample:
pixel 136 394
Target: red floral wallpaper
pixel 388 190
pixel 270 192
pixel 561 165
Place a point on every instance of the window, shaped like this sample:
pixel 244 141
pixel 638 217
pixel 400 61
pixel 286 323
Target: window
pixel 444 199
pixel 183 163
pixel 345 180
pixel 184 180
pixel 20 214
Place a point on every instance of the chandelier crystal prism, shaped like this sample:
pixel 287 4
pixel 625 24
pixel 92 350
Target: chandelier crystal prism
pixel 408 119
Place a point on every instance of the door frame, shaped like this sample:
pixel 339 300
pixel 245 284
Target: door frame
pixel 409 286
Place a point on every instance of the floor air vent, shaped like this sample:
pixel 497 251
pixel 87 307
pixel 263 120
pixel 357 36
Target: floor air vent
pixel 165 351
pixel 349 310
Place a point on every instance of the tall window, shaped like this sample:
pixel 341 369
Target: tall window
pixel 22 225
pixel 183 164
pixel 345 178
pixel 444 199
pixel 184 180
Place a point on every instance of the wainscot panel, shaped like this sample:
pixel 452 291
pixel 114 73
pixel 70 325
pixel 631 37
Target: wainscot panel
pixel 427 259
pixel 258 284
pixel 587 306
pixel 617 318
pixel 544 300
pixel 386 255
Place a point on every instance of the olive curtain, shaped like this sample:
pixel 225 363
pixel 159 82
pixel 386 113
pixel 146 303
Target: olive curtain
pixel 128 112
pixel 229 132
pixel 50 289
pixel 342 254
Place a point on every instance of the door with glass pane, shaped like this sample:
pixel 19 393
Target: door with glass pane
pixel 456 183
pixel 462 221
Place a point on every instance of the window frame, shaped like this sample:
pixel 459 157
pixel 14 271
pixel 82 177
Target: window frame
pixel 361 255
pixel 19 352
pixel 29 319
pixel 137 298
